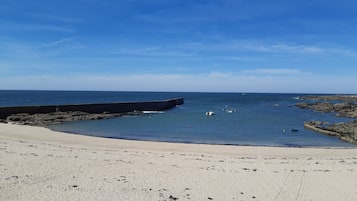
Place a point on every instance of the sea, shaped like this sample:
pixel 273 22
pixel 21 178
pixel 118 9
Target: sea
pixel 252 119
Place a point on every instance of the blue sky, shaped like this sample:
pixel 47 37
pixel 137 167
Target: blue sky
pixel 179 45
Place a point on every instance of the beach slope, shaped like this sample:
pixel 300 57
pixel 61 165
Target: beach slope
pixel 39 164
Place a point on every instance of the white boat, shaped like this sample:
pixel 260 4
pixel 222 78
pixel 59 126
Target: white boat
pixel 209 113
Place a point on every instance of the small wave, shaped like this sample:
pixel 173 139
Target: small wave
pixel 153 112
pixel 274 105
pixel 229 110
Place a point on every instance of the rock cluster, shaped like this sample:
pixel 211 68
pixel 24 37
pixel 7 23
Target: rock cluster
pixel 58 117
pixel 345 131
pixel 343 106
pixel 342 109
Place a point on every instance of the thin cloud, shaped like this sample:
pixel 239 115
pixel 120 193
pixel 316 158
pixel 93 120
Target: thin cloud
pixel 300 49
pixel 268 48
pixel 283 48
pixel 219 74
pixel 151 51
pixel 239 58
pixel 35 27
pixel 56 43
pixel 47 27
pixel 209 12
pixel 272 71
pixel 57 18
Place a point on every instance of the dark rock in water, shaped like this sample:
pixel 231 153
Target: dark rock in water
pixel 56 117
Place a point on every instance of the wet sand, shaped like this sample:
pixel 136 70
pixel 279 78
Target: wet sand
pixel 39 164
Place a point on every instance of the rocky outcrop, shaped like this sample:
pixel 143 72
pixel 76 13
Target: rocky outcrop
pixel 344 131
pixel 342 106
pixel 320 98
pixel 42 119
pixel 341 109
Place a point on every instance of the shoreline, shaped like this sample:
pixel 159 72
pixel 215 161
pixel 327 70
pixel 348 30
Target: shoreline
pixel 18 132
pixel 40 164
pixel 196 143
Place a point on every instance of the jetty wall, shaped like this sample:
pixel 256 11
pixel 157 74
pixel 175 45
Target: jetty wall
pixel 319 130
pixel 97 108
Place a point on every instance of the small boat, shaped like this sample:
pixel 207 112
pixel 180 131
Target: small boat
pixel 209 113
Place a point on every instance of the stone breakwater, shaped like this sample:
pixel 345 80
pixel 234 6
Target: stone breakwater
pixel 345 131
pixel 51 114
pixel 342 106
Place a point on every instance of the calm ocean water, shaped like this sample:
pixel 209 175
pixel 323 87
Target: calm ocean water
pixel 240 119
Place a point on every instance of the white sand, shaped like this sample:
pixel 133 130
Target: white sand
pixel 40 164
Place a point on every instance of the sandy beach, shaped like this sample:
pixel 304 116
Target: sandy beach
pixel 39 164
